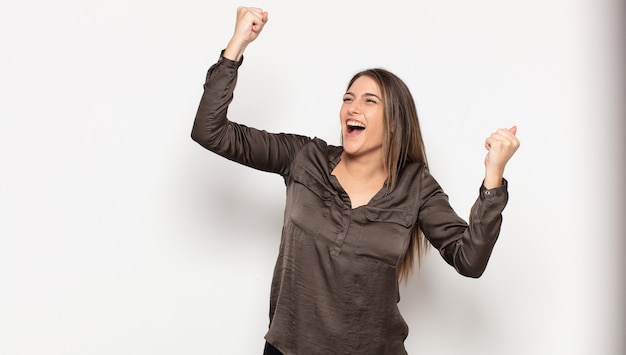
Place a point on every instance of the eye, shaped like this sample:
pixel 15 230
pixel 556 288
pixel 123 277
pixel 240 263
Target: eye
pixel 372 101
pixel 346 99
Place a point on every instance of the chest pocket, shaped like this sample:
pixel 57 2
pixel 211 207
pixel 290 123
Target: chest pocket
pixel 311 200
pixel 385 235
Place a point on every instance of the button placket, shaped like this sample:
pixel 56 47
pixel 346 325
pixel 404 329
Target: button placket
pixel 342 229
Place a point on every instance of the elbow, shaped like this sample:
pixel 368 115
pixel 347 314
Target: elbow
pixel 203 138
pixel 474 274
pixel 196 136
pixel 208 130
pixel 472 261
pixel 473 271
pixel 199 138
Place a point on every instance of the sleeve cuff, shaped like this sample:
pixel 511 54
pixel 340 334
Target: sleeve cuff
pixel 497 191
pixel 228 62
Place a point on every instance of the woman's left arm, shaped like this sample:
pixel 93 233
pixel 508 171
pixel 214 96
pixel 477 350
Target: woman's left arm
pixel 467 246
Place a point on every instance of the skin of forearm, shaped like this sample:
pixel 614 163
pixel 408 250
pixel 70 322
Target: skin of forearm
pixel 493 178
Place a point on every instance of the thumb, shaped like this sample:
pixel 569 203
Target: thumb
pixel 513 130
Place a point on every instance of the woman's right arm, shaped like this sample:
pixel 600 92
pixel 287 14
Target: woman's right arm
pixel 213 130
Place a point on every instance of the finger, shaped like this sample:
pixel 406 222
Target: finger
pixel 257 26
pixel 500 142
pixel 509 135
pixel 502 136
pixel 505 132
pixel 505 135
pixel 497 139
pixel 258 19
pixel 258 13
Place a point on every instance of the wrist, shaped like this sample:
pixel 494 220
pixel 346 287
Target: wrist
pixel 234 50
pixel 493 179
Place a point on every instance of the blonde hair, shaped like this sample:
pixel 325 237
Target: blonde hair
pixel 402 144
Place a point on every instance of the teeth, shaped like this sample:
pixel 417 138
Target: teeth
pixel 355 124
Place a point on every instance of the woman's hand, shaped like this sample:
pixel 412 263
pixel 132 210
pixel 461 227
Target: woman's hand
pixel 501 146
pixel 250 22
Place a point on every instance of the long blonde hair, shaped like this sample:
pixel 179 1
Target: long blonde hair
pixel 402 144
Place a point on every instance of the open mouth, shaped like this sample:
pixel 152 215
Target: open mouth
pixel 354 128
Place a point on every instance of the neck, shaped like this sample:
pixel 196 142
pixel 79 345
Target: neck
pixel 364 168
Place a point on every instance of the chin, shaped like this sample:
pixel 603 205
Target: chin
pixel 350 149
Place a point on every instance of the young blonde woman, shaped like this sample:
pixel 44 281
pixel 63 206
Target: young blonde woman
pixel 356 215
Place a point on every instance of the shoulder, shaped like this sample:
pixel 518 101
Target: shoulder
pixel 315 157
pixel 416 180
pixel 413 171
pixel 317 151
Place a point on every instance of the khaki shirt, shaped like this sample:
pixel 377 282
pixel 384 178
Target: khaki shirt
pixel 335 288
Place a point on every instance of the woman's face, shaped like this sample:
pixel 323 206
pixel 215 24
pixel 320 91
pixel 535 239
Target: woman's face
pixel 361 114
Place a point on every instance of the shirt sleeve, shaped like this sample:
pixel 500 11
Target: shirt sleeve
pixel 466 247
pixel 245 145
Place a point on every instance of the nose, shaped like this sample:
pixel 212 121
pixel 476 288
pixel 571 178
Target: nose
pixel 354 108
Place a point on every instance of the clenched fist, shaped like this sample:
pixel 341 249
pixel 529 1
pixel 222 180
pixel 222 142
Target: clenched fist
pixel 501 146
pixel 250 22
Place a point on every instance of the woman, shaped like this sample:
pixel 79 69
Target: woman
pixel 356 216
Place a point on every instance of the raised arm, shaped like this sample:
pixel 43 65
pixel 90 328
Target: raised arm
pixel 467 246
pixel 212 129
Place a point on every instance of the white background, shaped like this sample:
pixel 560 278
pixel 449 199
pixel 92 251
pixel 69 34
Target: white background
pixel 120 235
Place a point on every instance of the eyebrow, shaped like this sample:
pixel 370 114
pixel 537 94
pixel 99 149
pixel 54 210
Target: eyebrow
pixel 366 94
